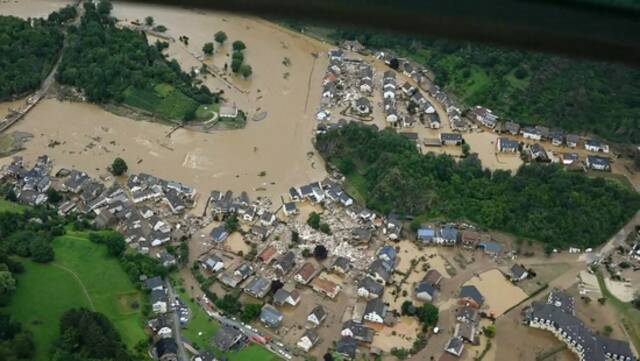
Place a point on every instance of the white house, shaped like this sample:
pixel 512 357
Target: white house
pixel 375 311
pixel 594 145
pixel 308 340
pixel 317 315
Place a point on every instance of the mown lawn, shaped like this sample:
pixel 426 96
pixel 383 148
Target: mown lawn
pixel 45 292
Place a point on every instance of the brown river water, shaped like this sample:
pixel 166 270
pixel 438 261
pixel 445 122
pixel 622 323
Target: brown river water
pixel 280 145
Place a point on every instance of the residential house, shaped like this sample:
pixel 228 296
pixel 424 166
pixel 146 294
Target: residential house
pixel 485 116
pixel 241 273
pixel 362 106
pixel 368 288
pixel 213 263
pixel 268 254
pixel 512 128
pixel 537 153
pixel 455 346
pixel 572 140
pixel 154 284
pixel 426 234
pixel 347 347
pixel 531 133
pixel 518 273
pixel 159 301
pixel 557 137
pixel 570 158
pixel 325 287
pixel 467 332
pixel 447 235
pixel 380 272
pixel 219 234
pixel 317 315
pixel 375 311
pixel 471 238
pixel 451 138
pixel 470 296
pixel 467 314
pixel 425 291
pixel 305 273
pixel 228 111
pixel 282 297
pixel 270 316
pixel 285 263
pixel 290 209
pixel 166 349
pixel 408 89
pixel 341 265
pixel 258 286
pixel 432 121
pixel 433 277
pixel 308 340
pixel 598 163
pixel 335 54
pixel 594 145
pixel 358 331
pixel 507 145
pixel 267 219
pixel 294 195
pixel 75 181
pixel 227 337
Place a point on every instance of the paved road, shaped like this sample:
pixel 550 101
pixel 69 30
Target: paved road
pixel 251 333
pixel 618 239
pixel 177 327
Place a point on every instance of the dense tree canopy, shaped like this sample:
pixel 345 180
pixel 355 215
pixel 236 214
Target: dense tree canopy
pixel 542 202
pixel 27 54
pixel 15 342
pixel 114 64
pixel 87 335
pixel 531 88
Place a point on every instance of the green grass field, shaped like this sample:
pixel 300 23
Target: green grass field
pixel 207 111
pixel 45 292
pixel 164 101
pixel 6 206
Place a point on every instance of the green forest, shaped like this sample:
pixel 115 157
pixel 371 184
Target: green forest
pixel 530 88
pixel 27 54
pixel 540 202
pixel 117 65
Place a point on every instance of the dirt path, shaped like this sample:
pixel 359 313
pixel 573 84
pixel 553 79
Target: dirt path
pixel 84 289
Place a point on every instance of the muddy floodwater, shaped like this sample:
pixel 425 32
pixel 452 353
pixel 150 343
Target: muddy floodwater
pixel 31 8
pixel 265 158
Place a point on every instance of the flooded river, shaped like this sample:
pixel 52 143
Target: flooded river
pixel 87 137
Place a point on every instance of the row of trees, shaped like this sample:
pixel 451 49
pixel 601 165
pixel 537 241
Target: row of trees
pixel 542 202
pixel 106 61
pixel 533 88
pixel 27 53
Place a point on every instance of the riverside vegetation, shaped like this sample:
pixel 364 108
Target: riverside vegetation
pixel 111 64
pixel 542 202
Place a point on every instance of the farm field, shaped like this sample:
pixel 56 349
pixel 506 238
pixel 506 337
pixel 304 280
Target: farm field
pixel 81 275
pixel 164 101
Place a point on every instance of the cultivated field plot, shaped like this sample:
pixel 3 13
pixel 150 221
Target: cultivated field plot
pixel 81 275
pixel 499 293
